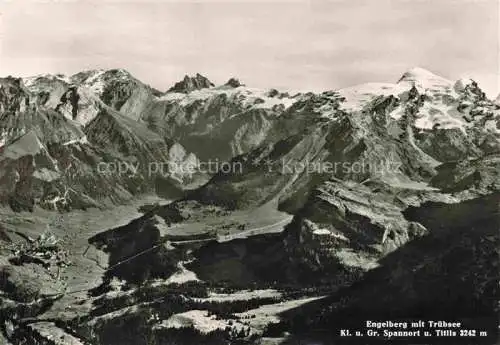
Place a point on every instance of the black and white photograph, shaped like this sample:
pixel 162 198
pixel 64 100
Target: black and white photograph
pixel 249 172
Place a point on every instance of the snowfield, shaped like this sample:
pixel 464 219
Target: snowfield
pixel 249 97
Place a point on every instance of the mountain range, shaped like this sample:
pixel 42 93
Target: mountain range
pixel 336 192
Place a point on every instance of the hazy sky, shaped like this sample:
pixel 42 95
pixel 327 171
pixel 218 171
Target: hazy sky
pixel 292 44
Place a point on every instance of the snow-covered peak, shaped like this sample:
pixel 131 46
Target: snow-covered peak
pixel 357 96
pixel 423 78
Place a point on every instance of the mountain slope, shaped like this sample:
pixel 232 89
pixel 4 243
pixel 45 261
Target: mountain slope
pixel 217 122
pixel 21 111
pixel 140 147
pixel 362 135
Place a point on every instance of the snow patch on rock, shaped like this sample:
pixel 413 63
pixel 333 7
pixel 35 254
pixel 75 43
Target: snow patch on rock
pixel 82 140
pixel 420 77
pixel 322 232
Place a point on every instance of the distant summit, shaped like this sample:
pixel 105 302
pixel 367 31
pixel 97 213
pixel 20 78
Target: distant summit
pixel 234 82
pixel 189 84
